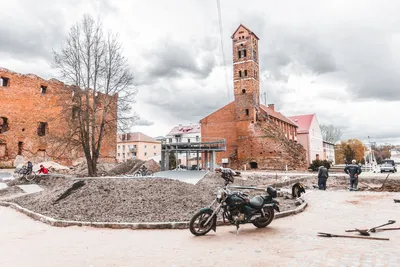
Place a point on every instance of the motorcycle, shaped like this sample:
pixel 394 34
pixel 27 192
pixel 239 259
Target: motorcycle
pixel 236 207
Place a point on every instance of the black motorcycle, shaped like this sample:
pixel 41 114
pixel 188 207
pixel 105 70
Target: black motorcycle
pixel 237 208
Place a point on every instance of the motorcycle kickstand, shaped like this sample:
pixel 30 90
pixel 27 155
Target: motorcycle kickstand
pixel 237 229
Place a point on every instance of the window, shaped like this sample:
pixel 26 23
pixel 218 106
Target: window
pixel 247 112
pixel 155 154
pixel 244 53
pixel 239 54
pixel 75 110
pixel 245 73
pixel 20 148
pixel 243 91
pixel 3 124
pixel 197 138
pixel 118 147
pixel 145 146
pixel 123 147
pixel 154 147
pixel 134 154
pixel 145 153
pixel 123 155
pixel 4 81
pixel 188 140
pixel 129 146
pixel 170 140
pixel 119 154
pixel 254 55
pixel 41 131
pixel 43 89
pixel 240 73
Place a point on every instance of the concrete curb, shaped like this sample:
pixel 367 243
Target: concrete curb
pixel 116 225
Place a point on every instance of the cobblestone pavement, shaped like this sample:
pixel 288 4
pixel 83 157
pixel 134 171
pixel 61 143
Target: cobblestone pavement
pixel 290 241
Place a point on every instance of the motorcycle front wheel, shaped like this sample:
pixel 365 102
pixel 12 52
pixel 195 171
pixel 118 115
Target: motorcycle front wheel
pixel 197 222
pixel 263 222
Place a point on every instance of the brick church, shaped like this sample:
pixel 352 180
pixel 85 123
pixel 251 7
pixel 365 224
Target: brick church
pixel 256 135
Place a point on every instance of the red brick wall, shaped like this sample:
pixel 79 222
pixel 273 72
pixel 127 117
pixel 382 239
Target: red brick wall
pixel 24 106
pixel 262 142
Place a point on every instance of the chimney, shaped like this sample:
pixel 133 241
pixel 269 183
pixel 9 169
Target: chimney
pixel 272 106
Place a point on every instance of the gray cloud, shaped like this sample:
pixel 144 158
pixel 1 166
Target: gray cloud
pixel 144 122
pixel 171 59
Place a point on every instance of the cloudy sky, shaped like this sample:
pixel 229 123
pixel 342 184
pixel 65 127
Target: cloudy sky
pixel 338 59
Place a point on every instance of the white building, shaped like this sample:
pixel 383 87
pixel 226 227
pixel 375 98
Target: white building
pixel 395 155
pixel 185 134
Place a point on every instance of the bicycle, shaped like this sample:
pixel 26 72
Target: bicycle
pixel 143 172
pixel 27 175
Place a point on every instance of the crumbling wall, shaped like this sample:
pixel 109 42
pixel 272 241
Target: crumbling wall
pixel 34 111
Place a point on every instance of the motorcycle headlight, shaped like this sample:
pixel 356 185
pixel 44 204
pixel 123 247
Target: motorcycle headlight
pixel 219 194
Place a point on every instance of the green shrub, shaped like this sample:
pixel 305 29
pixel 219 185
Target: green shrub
pixel 316 163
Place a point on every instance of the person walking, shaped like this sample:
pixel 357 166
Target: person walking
pixel 353 170
pixel 322 177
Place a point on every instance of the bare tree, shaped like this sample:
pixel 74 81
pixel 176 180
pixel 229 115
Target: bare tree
pixel 103 89
pixel 330 133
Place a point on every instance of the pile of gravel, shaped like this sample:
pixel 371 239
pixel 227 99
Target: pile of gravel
pixel 121 200
pixel 126 167
pixel 128 200
pixel 10 191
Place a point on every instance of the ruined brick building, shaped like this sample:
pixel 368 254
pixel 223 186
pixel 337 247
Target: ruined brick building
pixel 256 135
pixel 33 120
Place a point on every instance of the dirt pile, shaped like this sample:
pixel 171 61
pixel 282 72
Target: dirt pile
pixel 128 167
pixel 126 200
pixel 117 200
pixel 152 166
pixel 10 191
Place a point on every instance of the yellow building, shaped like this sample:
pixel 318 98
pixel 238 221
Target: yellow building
pixel 136 145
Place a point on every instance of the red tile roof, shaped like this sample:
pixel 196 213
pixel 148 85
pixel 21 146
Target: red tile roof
pixel 303 121
pixel 277 115
pixel 136 137
pixel 185 129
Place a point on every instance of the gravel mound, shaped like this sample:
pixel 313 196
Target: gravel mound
pixel 10 191
pixel 122 200
pixel 127 200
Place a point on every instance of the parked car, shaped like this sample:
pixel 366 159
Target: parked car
pixel 388 166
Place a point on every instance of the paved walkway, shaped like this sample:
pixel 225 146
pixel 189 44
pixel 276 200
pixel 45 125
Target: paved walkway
pixel 290 241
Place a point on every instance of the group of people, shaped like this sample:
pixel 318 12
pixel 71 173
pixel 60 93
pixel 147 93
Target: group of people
pixel 353 170
pixel 41 170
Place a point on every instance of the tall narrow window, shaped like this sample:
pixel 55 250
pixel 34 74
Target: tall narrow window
pixel 243 91
pixel 3 124
pixel 43 89
pixel 41 131
pixel 240 73
pixel 247 112
pixel 239 54
pixel 245 73
pixel 244 53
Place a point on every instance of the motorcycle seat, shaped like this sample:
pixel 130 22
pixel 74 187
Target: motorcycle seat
pixel 257 202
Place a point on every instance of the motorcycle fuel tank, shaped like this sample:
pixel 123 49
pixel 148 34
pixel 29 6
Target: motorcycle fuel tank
pixel 234 201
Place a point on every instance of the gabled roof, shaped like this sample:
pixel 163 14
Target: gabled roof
pixel 136 137
pixel 250 32
pixel 185 129
pixel 303 121
pixel 277 115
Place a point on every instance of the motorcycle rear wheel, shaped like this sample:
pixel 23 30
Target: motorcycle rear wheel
pixel 264 222
pixel 201 229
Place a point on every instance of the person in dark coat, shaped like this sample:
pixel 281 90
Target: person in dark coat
pixel 353 170
pixel 322 177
